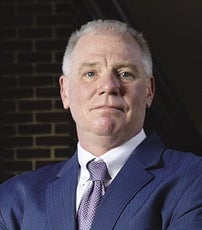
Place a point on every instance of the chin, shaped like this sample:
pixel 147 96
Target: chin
pixel 106 126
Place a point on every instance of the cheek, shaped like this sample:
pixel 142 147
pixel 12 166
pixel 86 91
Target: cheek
pixel 79 95
pixel 138 95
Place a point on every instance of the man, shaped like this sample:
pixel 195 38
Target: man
pixel 107 84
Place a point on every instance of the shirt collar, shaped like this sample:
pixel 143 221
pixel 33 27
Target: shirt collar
pixel 114 158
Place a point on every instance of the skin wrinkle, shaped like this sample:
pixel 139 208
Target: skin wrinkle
pixel 108 108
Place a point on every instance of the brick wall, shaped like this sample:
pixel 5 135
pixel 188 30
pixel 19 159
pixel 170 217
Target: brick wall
pixel 35 128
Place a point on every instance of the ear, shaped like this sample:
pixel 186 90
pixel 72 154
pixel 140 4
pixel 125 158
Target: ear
pixel 64 91
pixel 150 91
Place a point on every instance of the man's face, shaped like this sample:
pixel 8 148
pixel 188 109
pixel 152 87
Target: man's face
pixel 107 89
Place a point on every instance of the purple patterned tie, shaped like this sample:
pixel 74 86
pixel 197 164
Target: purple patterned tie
pixel 91 199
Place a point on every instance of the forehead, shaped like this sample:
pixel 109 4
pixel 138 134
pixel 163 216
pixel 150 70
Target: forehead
pixel 115 46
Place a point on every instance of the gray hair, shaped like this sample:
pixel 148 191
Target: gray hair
pixel 112 26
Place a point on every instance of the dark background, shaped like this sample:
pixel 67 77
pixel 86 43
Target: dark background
pixel 35 130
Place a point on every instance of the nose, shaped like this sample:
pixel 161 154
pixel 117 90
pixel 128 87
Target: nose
pixel 109 84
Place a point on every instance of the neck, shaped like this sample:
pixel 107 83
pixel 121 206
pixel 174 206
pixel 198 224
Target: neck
pixel 98 145
pixel 97 149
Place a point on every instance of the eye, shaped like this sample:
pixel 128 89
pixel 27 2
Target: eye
pixel 126 76
pixel 89 74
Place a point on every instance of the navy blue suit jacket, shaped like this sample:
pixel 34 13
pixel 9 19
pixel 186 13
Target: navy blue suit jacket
pixel 157 188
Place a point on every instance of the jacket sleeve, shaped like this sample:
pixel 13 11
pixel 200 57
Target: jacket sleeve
pixel 188 212
pixel 10 205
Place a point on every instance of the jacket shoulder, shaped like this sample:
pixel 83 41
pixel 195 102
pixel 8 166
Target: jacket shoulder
pixel 28 184
pixel 183 160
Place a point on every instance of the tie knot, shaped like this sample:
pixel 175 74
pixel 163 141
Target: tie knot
pixel 98 170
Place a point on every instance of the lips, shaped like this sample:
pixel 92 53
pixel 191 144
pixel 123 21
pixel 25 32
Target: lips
pixel 108 107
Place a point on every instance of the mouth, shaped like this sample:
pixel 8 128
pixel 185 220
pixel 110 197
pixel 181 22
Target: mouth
pixel 108 107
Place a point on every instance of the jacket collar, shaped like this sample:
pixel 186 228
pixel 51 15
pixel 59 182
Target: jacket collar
pixel 61 197
pixel 135 172
pixel 149 152
pixel 61 194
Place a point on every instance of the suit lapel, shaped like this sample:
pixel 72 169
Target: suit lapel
pixel 61 194
pixel 134 173
pixel 119 193
pixel 61 197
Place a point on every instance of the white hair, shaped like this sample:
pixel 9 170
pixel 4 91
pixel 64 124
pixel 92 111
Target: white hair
pixel 104 26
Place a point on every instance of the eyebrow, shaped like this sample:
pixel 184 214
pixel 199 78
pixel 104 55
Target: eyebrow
pixel 126 65
pixel 116 66
pixel 87 65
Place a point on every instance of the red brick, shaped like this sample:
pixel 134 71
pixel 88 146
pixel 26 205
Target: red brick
pixel 16 69
pixel 34 9
pixel 54 20
pixel 33 153
pixel 53 140
pixel 58 104
pixel 39 80
pixel 9 82
pixel 65 128
pixel 18 93
pixel 34 129
pixel 33 41
pixel 16 21
pixel 59 56
pixel 65 152
pixel 5 176
pixel 7 9
pixel 63 32
pixel 33 105
pixel 8 130
pixel 8 106
pixel 8 33
pixel 18 141
pixel 13 166
pixel 52 117
pixel 67 1
pixel 48 68
pixel 48 92
pixel 63 7
pixel 35 33
pixel 13 117
pixel 6 57
pixel 51 45
pixel 8 154
pixel 34 57
pixel 17 45
pixel 19 1
pixel 62 128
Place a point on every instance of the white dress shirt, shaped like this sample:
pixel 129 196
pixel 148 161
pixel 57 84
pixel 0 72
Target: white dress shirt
pixel 114 159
